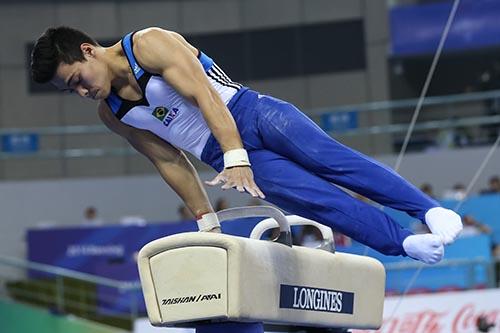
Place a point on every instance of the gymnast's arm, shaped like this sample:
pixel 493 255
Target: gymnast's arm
pixel 172 164
pixel 170 55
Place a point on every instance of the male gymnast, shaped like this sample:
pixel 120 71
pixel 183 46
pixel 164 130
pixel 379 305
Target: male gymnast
pixel 164 96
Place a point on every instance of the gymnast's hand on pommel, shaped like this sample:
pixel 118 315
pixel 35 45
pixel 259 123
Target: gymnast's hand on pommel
pixel 239 177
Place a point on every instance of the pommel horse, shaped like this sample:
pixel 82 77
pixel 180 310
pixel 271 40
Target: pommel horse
pixel 228 284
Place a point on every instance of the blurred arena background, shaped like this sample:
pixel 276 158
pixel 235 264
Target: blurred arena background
pixel 76 203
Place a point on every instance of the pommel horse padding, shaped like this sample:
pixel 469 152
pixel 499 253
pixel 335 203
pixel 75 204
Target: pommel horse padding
pixel 194 278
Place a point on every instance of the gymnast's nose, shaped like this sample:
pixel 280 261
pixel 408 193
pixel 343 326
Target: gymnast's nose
pixel 83 92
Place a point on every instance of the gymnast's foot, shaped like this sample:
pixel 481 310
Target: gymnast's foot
pixel 427 248
pixel 444 223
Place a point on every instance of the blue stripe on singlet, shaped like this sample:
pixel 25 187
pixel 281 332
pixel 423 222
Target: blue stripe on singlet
pixel 205 60
pixel 127 46
pixel 114 102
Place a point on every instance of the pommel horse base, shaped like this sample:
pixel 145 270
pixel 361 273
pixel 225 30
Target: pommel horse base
pixel 222 283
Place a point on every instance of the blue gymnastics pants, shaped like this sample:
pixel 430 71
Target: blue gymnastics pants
pixel 296 165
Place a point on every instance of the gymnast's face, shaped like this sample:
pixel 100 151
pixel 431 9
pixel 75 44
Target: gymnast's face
pixel 88 78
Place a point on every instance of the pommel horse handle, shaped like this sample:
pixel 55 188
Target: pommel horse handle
pixel 327 244
pixel 285 236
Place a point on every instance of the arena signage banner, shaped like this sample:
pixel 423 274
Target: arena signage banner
pixel 453 312
pixel 316 299
pixel 19 142
pixel 417 29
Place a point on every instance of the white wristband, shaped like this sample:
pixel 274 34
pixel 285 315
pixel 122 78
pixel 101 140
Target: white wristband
pixel 236 157
pixel 208 221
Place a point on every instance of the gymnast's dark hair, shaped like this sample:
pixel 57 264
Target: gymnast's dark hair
pixel 56 45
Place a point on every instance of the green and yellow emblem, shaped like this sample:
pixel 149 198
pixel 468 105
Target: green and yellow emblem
pixel 160 112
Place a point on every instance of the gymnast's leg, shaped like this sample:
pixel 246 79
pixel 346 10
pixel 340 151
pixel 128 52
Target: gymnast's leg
pixel 288 132
pixel 298 191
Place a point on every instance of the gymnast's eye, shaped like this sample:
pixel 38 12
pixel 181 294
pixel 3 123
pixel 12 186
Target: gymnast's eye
pixel 76 81
pixel 73 84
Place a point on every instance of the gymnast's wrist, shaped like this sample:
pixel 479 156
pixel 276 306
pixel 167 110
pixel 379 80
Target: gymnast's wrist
pixel 235 158
pixel 208 221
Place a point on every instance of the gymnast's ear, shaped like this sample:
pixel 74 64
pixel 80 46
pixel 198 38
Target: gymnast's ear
pixel 88 50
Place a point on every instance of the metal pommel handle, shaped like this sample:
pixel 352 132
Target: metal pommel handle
pixel 285 236
pixel 328 243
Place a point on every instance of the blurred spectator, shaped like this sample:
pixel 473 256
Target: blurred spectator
pixel 473 227
pixel 427 189
pixel 446 137
pixel 453 136
pixel 463 137
pixel 341 239
pixel 221 204
pixel 310 236
pixel 90 216
pixel 184 213
pixel 132 220
pixel 455 193
pixel 493 186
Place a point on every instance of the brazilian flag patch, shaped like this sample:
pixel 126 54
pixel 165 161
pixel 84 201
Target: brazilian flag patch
pixel 160 112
